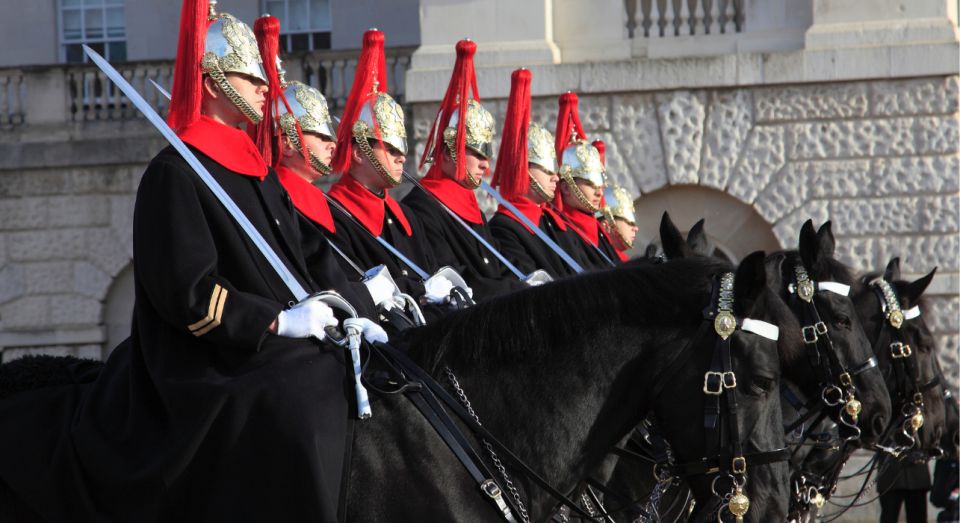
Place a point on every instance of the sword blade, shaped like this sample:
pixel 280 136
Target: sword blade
pixel 128 90
pixel 159 88
pixel 533 227
pixel 386 245
pixel 493 250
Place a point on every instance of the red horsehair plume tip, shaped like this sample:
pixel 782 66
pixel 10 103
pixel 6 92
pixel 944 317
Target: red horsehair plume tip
pixel 186 92
pixel 466 48
pixel 602 149
pixel 510 174
pixel 370 76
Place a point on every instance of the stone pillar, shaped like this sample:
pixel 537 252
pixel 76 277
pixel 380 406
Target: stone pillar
pixel 594 31
pixel 45 99
pixel 509 34
pixel 852 23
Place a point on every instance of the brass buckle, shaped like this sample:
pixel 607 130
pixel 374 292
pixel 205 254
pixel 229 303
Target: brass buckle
pixel 918 398
pixel 719 383
pixel 739 465
pixel 809 334
pixel 845 379
pixel 729 380
pixel 900 350
pixel 821 327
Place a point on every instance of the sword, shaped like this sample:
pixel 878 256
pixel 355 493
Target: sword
pixel 363 402
pixel 386 245
pixel 575 226
pixel 533 227
pixel 159 88
pixel 516 272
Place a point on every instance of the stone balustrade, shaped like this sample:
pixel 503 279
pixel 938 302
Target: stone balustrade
pixel 78 93
pixel 663 19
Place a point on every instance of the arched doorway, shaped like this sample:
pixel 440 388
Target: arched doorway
pixel 735 228
pixel 118 310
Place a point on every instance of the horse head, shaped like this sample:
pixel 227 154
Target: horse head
pixel 841 369
pixel 891 312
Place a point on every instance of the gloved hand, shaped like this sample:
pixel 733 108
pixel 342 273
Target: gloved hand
pixel 370 330
pixel 380 286
pixel 306 319
pixel 437 289
pixel 537 277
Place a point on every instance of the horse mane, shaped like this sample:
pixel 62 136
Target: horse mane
pixel 641 292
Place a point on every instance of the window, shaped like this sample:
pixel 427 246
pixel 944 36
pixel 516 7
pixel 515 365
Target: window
pixel 304 24
pixel 97 23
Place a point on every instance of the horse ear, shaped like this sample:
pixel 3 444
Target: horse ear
pixel 751 280
pixel 808 245
pixel 697 239
pixel 673 244
pixel 913 290
pixel 825 240
pixel 892 272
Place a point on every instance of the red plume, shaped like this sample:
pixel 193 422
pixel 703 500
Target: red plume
pixel 187 81
pixel 463 82
pixel 371 67
pixel 511 172
pixel 602 149
pixel 568 122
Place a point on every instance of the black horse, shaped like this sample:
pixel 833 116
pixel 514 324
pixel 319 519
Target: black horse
pixel 907 357
pixel 849 343
pixel 562 372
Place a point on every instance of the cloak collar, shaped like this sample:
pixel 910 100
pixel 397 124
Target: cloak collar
pixel 228 146
pixel 532 211
pixel 584 224
pixel 368 208
pixel 458 198
pixel 555 216
pixel 307 198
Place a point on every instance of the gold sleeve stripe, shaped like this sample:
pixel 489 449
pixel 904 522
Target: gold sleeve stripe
pixel 214 312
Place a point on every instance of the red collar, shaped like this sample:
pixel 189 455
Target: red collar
pixel 228 146
pixel 529 209
pixel 307 198
pixel 623 256
pixel 368 208
pixel 458 198
pixel 585 225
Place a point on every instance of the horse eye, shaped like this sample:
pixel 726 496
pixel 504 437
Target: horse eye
pixel 842 322
pixel 761 385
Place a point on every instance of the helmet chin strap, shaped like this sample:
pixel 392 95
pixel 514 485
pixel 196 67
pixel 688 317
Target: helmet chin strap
pixel 315 161
pixel 537 188
pixel 577 193
pixel 359 133
pixel 211 67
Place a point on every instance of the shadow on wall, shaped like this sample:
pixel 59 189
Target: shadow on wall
pixel 734 228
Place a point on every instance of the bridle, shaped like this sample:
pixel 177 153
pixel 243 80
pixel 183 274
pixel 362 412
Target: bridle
pixel 908 395
pixel 837 389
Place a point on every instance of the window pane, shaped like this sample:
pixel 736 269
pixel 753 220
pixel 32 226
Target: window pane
pixel 117 51
pixel 72 25
pixel 321 40
pixel 297 16
pixel 115 23
pixel 300 42
pixel 93 22
pixel 71 3
pixel 320 15
pixel 91 3
pixel 74 53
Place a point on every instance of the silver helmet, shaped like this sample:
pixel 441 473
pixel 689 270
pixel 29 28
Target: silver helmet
pixel 308 108
pixel 231 47
pixel 582 160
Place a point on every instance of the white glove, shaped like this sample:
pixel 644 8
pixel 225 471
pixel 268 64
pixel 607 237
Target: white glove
pixel 306 319
pixel 537 277
pixel 437 289
pixel 380 286
pixel 370 330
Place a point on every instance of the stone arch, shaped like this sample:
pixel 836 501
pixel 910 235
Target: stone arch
pixel 735 228
pixel 118 309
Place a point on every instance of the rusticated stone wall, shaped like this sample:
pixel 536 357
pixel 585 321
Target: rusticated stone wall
pixel 878 158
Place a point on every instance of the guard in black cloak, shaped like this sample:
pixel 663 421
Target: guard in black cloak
pixel 299 135
pixel 371 151
pixel 218 407
pixel 582 180
pixel 526 176
pixel 460 149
